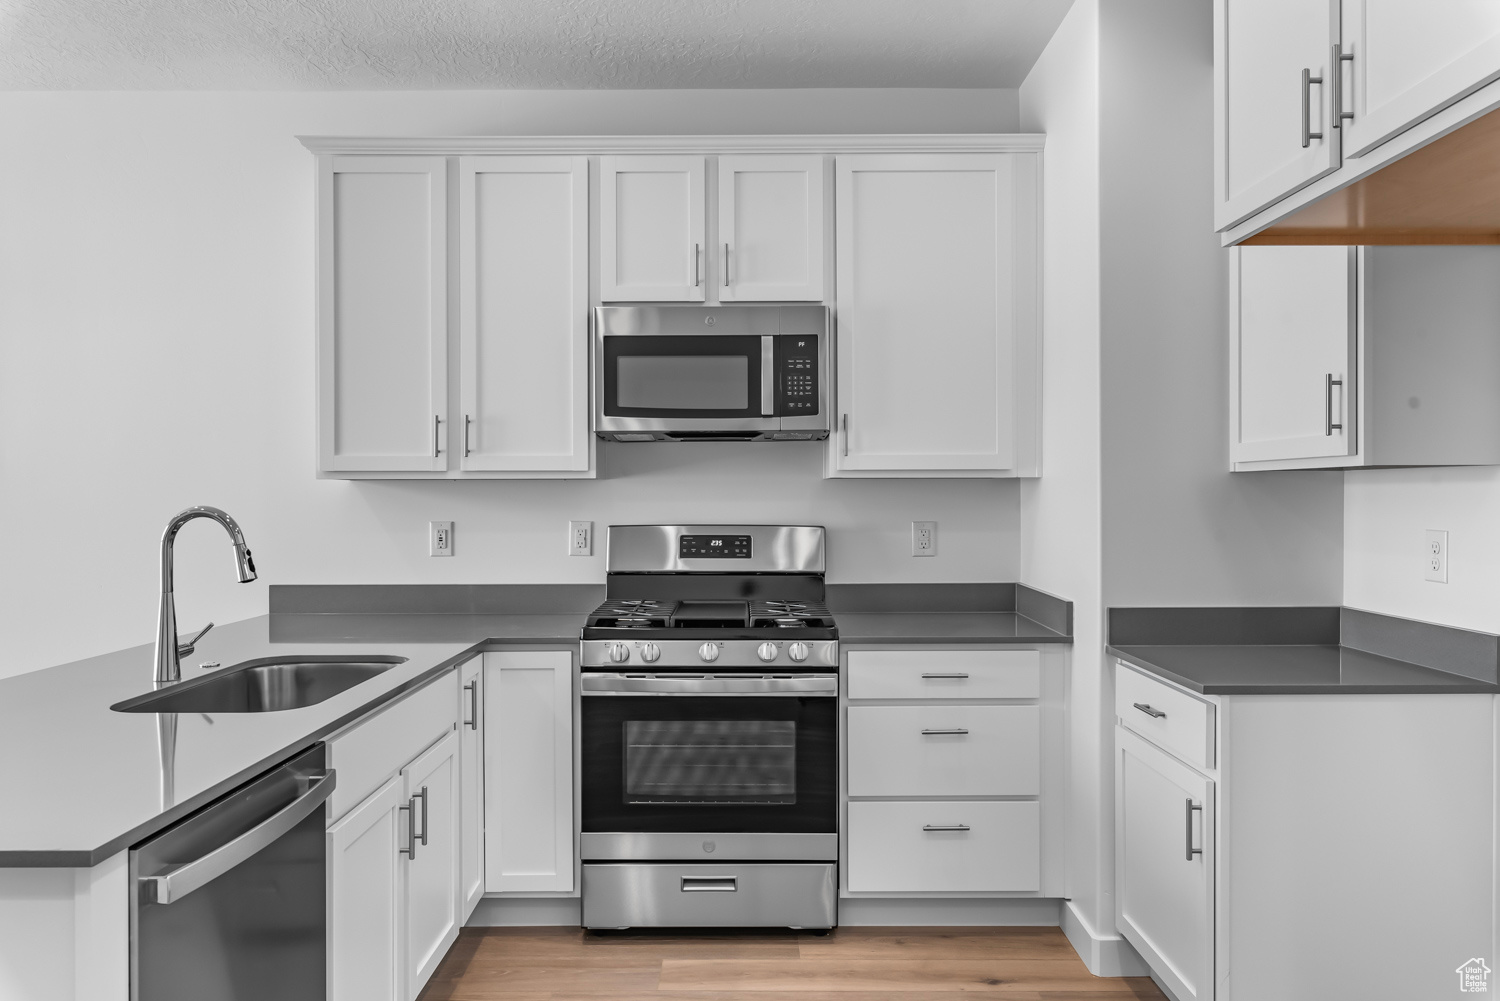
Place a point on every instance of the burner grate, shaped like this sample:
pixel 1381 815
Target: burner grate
pixel 633 613
pixel 789 614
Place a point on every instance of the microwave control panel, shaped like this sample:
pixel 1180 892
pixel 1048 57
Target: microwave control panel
pixel 796 375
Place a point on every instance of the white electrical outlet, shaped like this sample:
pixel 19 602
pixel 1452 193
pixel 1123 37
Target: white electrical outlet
pixel 440 538
pixel 924 538
pixel 580 538
pixel 1435 556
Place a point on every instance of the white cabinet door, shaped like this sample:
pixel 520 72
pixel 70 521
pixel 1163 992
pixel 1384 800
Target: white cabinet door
pixel 1411 60
pixel 1272 122
pixel 528 771
pixel 936 278
pixel 523 294
pixel 651 229
pixel 1164 864
pixel 382 313
pixel 471 785
pixel 770 228
pixel 366 899
pixel 1292 336
pixel 432 870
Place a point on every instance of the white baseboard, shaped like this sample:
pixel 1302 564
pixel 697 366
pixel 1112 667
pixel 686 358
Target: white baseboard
pixel 506 912
pixel 958 912
pixel 1104 955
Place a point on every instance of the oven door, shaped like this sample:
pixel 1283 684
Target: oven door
pixel 685 776
pixel 694 384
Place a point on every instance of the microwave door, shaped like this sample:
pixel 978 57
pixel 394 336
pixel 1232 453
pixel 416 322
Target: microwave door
pixel 671 383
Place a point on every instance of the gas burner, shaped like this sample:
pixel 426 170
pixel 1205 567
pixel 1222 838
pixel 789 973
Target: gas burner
pixel 633 613
pixel 789 614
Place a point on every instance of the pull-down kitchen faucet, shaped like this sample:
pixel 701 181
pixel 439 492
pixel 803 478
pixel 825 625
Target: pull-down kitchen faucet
pixel 169 653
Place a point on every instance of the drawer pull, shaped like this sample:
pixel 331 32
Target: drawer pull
pixel 945 827
pixel 1191 851
pixel 955 677
pixel 1149 711
pixel 957 731
pixel 709 884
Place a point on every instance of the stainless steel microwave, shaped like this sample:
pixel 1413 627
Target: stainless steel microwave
pixel 711 373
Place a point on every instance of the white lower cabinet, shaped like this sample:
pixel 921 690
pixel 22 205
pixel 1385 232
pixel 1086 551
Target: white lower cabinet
pixel 393 847
pixel 471 784
pixel 1164 864
pixel 528 772
pixel 1332 846
pixel 945 778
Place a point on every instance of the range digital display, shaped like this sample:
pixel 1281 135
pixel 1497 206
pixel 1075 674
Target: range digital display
pixel 713 547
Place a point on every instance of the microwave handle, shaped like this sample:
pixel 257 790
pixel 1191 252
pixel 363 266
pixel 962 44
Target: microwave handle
pixel 767 375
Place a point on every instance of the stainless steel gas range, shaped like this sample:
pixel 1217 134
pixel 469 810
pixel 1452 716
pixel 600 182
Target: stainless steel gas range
pixel 710 731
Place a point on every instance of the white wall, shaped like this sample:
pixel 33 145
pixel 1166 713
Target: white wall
pixel 1386 515
pixel 1060 512
pixel 156 351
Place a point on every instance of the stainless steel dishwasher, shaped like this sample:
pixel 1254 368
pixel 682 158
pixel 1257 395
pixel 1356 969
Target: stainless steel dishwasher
pixel 229 903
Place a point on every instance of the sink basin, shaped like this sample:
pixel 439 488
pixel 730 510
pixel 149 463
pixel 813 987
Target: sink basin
pixel 268 685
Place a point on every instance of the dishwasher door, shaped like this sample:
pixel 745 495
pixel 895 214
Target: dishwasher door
pixel 229 904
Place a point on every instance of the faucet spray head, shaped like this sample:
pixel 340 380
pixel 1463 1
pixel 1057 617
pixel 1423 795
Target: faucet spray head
pixel 243 564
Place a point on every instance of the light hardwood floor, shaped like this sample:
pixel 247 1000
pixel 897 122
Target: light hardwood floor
pixel 851 964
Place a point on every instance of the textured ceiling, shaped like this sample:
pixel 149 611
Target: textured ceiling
pixel 473 44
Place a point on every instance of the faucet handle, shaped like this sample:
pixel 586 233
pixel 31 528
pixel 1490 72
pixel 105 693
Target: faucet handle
pixel 186 649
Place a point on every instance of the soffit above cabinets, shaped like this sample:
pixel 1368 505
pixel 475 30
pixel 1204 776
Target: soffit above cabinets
pixel 520 44
pixel 1443 193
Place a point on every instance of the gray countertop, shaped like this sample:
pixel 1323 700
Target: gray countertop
pixel 1256 669
pixel 944 627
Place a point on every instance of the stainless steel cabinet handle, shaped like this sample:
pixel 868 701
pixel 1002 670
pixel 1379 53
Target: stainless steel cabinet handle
pixel 945 827
pixel 709 884
pixel 473 689
pixel 1149 711
pixel 467 421
pixel 177 883
pixel 410 851
pixel 437 443
pixel 1191 851
pixel 1337 64
pixel 423 794
pixel 844 424
pixel 697 264
pixel 956 676
pixel 1328 404
pixel 954 730
pixel 726 265
pixel 1308 135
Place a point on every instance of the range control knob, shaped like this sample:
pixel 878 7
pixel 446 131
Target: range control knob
pixel 650 653
pixel 709 652
pixel 766 652
pixel 798 651
pixel 619 653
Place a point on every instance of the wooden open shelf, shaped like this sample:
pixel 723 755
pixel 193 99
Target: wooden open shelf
pixel 1447 192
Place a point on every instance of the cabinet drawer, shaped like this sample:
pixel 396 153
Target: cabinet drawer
pixel 987 846
pixel 944 674
pixel 904 751
pixel 376 748
pixel 1176 722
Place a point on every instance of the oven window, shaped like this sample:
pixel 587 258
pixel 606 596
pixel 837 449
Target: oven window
pixel 682 382
pixel 710 762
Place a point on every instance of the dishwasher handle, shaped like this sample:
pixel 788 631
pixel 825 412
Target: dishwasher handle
pixel 173 885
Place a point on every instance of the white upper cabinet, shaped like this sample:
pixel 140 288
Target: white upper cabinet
pixel 1273 94
pixel 651 229
pixel 937 277
pixel 1292 344
pixel 1411 60
pixel 382 313
pixel 523 302
pixel 770 218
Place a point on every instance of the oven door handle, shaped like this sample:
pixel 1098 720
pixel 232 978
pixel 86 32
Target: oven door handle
pixel 817 685
pixel 184 879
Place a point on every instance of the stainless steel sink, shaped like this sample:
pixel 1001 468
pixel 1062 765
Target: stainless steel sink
pixel 268 685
